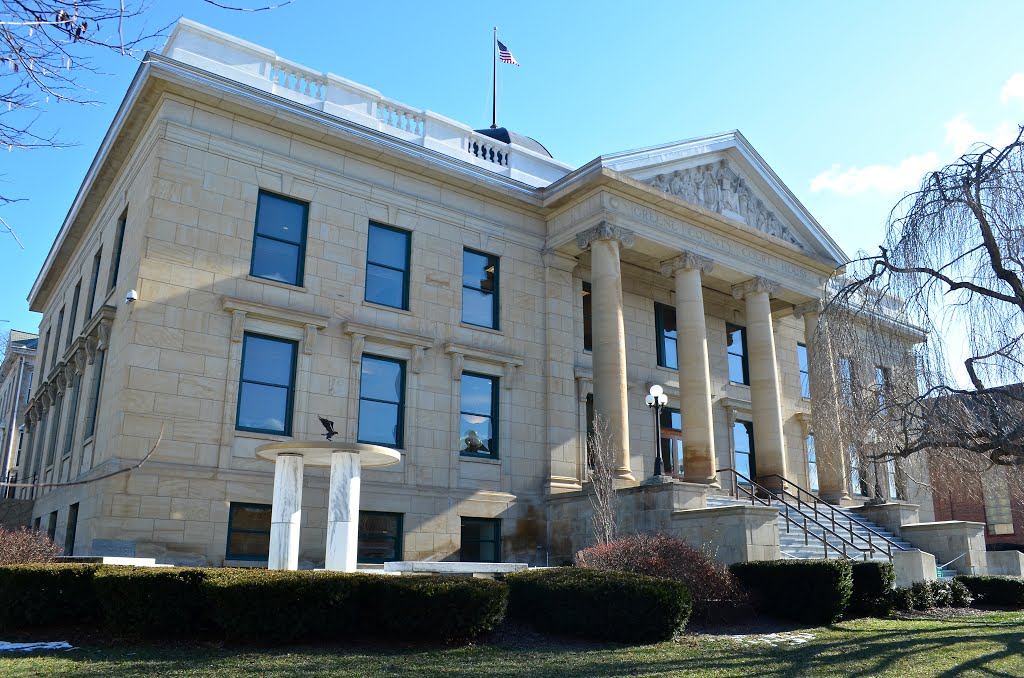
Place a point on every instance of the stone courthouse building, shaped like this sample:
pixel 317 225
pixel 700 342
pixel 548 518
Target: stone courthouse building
pixel 257 244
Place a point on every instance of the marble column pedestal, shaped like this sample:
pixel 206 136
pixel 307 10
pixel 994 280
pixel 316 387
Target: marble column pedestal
pixel 346 461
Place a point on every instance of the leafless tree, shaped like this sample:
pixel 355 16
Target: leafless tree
pixel 47 50
pixel 951 269
pixel 602 454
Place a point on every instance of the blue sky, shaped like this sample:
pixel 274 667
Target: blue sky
pixel 850 104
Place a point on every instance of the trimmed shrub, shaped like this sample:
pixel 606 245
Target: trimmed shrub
pixel 660 555
pixel 903 599
pixel 147 601
pixel 812 591
pixel 922 595
pixel 600 604
pixel 24 546
pixel 941 593
pixel 430 607
pixel 995 591
pixel 960 595
pixel 279 606
pixel 872 583
pixel 40 595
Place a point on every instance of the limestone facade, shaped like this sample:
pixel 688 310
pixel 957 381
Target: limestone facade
pixel 169 210
pixel 15 387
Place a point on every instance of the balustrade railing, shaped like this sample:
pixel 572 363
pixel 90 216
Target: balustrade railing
pixel 300 80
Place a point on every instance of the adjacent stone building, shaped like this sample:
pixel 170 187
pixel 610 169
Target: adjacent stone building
pixel 257 244
pixel 15 387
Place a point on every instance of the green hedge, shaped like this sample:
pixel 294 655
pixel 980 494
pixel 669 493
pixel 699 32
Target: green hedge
pixel 278 607
pixel 152 601
pixel 599 604
pixel 45 594
pixel 995 591
pixel 872 588
pixel 253 606
pixel 813 591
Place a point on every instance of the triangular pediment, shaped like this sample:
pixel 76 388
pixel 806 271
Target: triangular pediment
pixel 725 175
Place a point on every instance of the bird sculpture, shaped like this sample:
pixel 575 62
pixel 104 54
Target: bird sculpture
pixel 329 426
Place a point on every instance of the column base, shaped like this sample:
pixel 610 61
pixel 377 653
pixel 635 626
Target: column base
pixel 834 498
pixel 624 474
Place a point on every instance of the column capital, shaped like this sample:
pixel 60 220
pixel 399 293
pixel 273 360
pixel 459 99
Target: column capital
pixel 559 261
pixel 814 306
pixel 755 285
pixel 605 231
pixel 687 261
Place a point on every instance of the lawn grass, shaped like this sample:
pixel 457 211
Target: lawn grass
pixel 983 645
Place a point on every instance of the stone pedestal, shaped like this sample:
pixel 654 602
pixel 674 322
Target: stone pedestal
pixel 890 515
pixel 958 541
pixel 345 460
pixel 343 512
pixel 731 534
pixel 286 513
pixel 1005 563
pixel 912 566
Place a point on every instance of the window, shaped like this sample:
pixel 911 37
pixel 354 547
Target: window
pixel 267 385
pixel 846 380
pixel 381 401
pixel 890 472
pixel 35 523
pixel 51 526
pixel 481 540
pixel 279 241
pixel 387 266
pixel 479 289
pixel 93 281
pixel 380 537
pixel 882 387
pixel 858 484
pixel 51 449
pixel 56 339
pixel 478 415
pixel 248 532
pixel 672 440
pixel 665 328
pixel 69 428
pixel 72 528
pixel 743 450
pixel 589 413
pixel 42 357
pixel 74 314
pixel 588 318
pixel 736 342
pixel 812 464
pixel 805 373
pixel 115 261
pixel 94 394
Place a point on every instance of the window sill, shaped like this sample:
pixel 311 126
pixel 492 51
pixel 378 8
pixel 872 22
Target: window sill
pixel 277 283
pixel 481 328
pixel 256 435
pixel 385 307
pixel 479 458
pixel 88 440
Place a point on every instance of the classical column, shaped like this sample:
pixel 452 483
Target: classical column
pixel 765 398
pixel 825 413
pixel 694 373
pixel 286 513
pixel 609 352
pixel 343 512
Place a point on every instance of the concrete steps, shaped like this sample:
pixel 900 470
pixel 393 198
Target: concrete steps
pixel 795 543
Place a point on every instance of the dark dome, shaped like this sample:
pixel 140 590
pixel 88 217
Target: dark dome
pixel 502 134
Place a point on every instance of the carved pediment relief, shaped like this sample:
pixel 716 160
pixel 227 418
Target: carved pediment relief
pixel 718 187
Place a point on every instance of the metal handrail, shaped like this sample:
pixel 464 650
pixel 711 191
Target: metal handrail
pixel 766 501
pixel 818 501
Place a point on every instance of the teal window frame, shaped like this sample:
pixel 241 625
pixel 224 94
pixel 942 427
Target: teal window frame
pixel 71 530
pixel 805 371
pixel 813 482
pixel 667 357
pixel 493 440
pixel 741 354
pixel 750 452
pixel 228 555
pixel 405 271
pixel 588 316
pixel 492 260
pixel 495 523
pixel 115 261
pixel 289 400
pixel 672 462
pixel 399 541
pixel 300 268
pixel 73 320
pixel 400 424
pixel 94 281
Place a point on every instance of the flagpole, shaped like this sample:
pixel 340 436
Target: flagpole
pixel 494 82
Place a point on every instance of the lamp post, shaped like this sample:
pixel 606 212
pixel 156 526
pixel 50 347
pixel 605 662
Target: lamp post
pixel 656 400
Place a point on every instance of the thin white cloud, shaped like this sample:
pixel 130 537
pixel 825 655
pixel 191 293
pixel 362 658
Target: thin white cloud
pixel 883 178
pixel 1013 89
pixel 961 135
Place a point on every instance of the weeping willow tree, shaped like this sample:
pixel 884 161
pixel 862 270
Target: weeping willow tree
pixel 924 339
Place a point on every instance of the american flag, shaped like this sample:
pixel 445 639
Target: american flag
pixel 505 55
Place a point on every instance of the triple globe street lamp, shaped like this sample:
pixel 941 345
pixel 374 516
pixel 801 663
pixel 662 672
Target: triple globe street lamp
pixel 656 400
